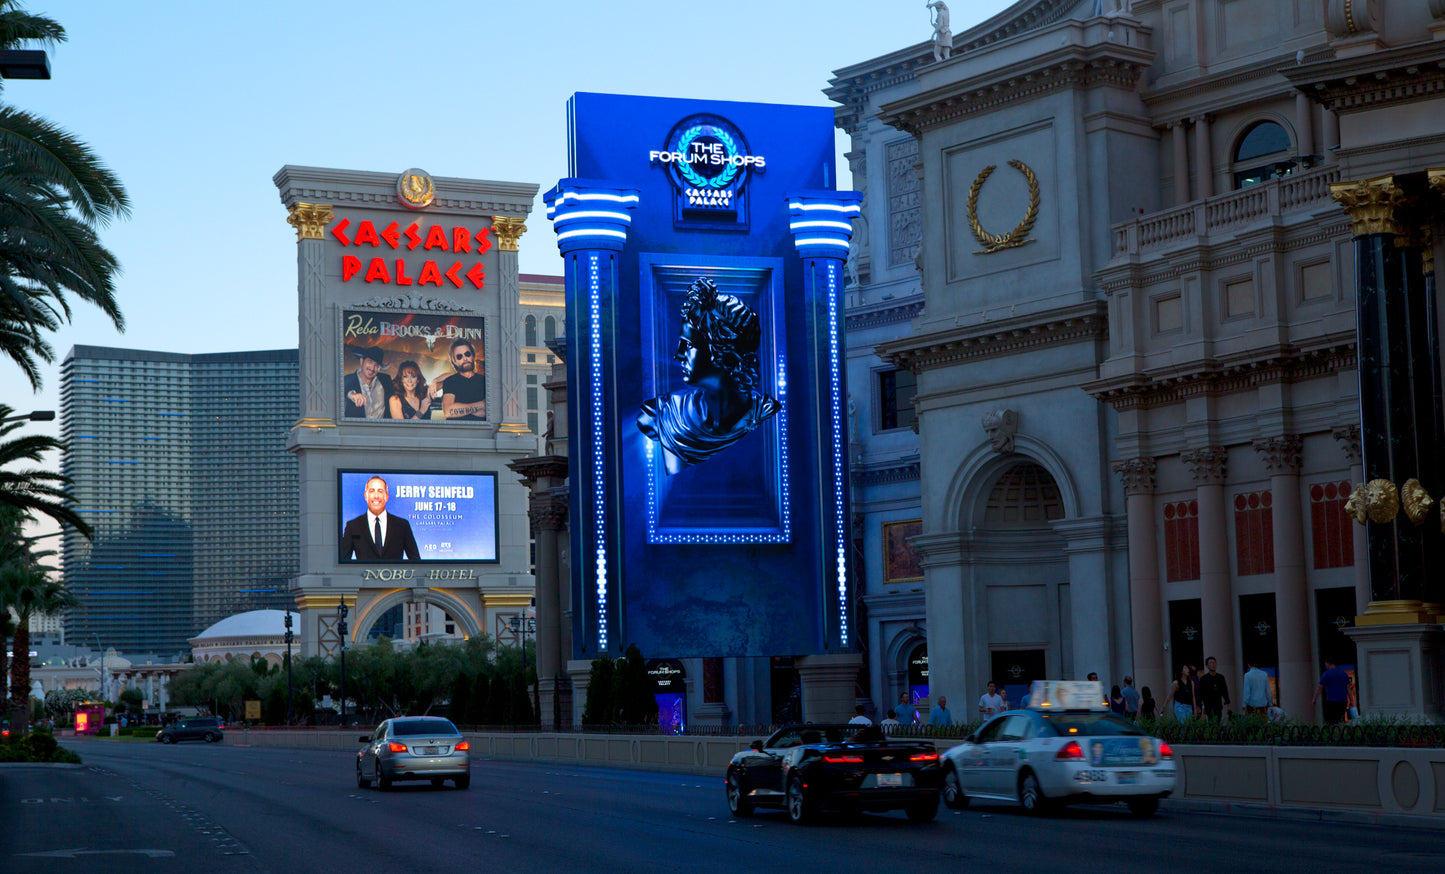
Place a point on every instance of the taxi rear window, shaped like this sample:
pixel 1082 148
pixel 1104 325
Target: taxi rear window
pixel 1090 724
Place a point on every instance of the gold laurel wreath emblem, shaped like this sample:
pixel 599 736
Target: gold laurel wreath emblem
pixel 416 189
pixel 1018 236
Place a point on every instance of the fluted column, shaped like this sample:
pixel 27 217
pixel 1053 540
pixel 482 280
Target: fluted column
pixel 1216 605
pixel 548 513
pixel 1146 610
pixel 1204 162
pixel 509 231
pixel 314 328
pixel 1281 457
pixel 1348 437
pixel 1180 141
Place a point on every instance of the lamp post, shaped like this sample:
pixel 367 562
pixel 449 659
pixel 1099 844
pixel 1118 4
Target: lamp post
pixel 102 666
pixel 525 625
pixel 288 666
pixel 341 629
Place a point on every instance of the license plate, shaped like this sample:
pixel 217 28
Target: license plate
pixel 1126 777
pixel 427 751
pixel 887 780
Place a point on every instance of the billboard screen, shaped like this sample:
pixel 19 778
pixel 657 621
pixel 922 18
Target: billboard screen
pixel 413 366
pixel 416 516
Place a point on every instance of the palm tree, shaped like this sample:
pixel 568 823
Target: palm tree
pixel 32 490
pixel 54 193
pixel 31 590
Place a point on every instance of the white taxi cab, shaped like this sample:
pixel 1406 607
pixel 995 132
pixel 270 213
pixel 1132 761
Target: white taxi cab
pixel 1066 747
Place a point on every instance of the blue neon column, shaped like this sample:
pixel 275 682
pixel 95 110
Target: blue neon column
pixel 592 220
pixel 821 222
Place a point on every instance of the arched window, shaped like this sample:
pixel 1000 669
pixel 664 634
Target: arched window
pixel 1024 497
pixel 1263 153
pixel 549 329
pixel 531 330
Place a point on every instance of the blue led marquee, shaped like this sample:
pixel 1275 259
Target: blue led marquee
pixel 704 257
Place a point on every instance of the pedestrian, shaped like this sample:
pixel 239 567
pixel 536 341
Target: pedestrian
pixel 990 704
pixel 1256 698
pixel 940 716
pixel 1116 700
pixel 1335 684
pixel 1213 691
pixel 890 722
pixel 907 713
pixel 1131 699
pixel 1148 707
pixel 1181 693
pixel 859 717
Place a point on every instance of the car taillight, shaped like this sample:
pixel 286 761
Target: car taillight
pixel 395 747
pixel 844 760
pixel 1164 751
pixel 924 757
pixel 462 746
pixel 1071 750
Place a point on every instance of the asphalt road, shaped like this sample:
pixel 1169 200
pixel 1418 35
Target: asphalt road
pixel 221 809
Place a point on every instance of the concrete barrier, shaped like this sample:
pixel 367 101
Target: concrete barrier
pixel 1383 781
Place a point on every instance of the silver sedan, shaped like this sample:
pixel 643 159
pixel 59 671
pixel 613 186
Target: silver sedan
pixel 414 748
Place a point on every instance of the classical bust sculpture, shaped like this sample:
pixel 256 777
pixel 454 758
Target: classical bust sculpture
pixel 718 350
pixel 1001 426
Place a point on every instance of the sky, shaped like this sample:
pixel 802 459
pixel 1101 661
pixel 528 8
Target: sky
pixel 196 105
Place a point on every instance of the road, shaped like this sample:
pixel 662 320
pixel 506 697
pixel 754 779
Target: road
pixel 223 808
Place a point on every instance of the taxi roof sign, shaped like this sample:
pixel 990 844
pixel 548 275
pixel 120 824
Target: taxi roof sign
pixel 1067 695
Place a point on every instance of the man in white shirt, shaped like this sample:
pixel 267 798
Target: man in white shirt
pixel 858 717
pixel 990 704
pixel 890 722
pixel 1256 691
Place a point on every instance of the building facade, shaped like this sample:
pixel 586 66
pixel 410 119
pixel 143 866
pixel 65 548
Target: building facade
pixel 1136 354
pixel 179 463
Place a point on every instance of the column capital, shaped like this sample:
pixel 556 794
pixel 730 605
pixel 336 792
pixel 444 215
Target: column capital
pixel 509 230
pixel 822 221
pixel 1206 465
pixel 1138 475
pixel 548 510
pixel 1372 204
pixel 590 214
pixel 539 467
pixel 309 220
pixel 1348 436
pixel 1281 455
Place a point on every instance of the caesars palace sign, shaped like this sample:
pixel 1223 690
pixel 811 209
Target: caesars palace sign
pixel 457 240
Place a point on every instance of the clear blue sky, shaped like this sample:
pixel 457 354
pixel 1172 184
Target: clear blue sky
pixel 196 104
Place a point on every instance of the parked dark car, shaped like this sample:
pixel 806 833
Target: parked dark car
pixel 804 769
pixel 207 728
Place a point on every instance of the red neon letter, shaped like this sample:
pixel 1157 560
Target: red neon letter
pixel 377 271
pixel 413 239
pixel 401 277
pixel 484 240
pixel 477 275
pixel 392 235
pixel 461 240
pixel 337 231
pixel 452 274
pixel 350 266
pixel 430 273
pixel 436 238
pixel 366 233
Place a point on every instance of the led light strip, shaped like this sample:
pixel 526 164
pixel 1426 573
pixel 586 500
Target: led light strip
pixel 599 478
pixel 850 209
pixel 821 223
pixel 839 522
pixel 595 214
pixel 800 242
pixel 591 232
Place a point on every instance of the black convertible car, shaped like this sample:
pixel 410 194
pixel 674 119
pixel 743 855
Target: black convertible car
pixel 804 769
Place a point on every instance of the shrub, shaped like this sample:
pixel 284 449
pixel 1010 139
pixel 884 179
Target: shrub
pixel 37 746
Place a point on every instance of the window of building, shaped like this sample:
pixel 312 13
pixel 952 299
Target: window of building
pixel 549 329
pixel 1334 536
pixel 1263 153
pixel 896 389
pixel 1181 541
pixel 1254 533
pixel 530 328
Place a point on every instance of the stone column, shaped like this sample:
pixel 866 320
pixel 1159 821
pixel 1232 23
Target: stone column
pixel 1348 437
pixel 1146 609
pixel 1087 544
pixel 1281 456
pixel 1329 134
pixel 829 683
pixel 315 327
pixel 1180 141
pixel 548 514
pixel 1304 115
pixel 509 231
pixel 1204 163
pixel 1216 592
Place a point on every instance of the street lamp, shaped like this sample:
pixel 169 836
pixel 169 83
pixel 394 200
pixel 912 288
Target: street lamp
pixel 288 666
pixel 33 415
pixel 341 628
pixel 102 666
pixel 525 625
pixel 24 64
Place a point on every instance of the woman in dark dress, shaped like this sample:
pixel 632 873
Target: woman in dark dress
pixel 1116 700
pixel 1147 705
pixel 410 395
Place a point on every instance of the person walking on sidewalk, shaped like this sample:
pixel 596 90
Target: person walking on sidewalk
pixel 1213 691
pixel 1256 699
pixel 1335 684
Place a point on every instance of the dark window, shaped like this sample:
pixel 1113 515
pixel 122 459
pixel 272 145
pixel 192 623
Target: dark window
pixel 1265 151
pixel 549 329
pixel 896 389
pixel 530 326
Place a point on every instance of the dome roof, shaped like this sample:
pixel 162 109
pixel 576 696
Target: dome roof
pixel 256 623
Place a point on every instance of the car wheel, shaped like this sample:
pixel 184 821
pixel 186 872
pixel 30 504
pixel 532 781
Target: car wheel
pixel 361 781
pixel 738 803
pixel 953 794
pixel 922 811
pixel 383 782
pixel 800 808
pixel 463 781
pixel 211 737
pixel 1143 806
pixel 1031 796
pixel 167 739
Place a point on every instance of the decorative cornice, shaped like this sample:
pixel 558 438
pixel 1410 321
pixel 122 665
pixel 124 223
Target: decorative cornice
pixel 889 313
pixel 1264 75
pixel 509 231
pixel 1373 204
pixel 415 302
pixel 388 200
pixel 865 477
pixel 1348 436
pixel 1281 455
pixel 539 467
pixel 1137 474
pixel 1357 82
pixel 309 220
pixel 1212 377
pixel 1206 465
pixel 1086 322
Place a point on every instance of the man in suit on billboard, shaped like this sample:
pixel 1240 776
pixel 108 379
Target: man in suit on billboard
pixel 377 535
pixel 367 389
